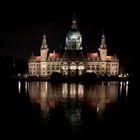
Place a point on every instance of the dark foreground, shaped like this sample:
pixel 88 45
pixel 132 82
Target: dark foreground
pixel 22 118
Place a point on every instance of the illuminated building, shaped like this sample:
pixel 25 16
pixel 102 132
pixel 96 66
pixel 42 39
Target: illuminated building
pixel 73 60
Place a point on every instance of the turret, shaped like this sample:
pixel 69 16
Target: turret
pixel 103 48
pixel 44 49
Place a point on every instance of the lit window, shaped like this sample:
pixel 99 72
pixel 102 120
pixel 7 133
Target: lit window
pixel 93 68
pixel 97 68
pixel 53 67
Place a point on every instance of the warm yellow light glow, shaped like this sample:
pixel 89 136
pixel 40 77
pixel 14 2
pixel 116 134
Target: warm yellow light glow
pixel 97 108
pixel 46 85
pixel 43 98
pixel 47 95
pixel 64 90
pixel 19 86
pixel 121 83
pixel 80 91
pixel 126 88
pixel 127 82
pixel 72 90
pixel 26 86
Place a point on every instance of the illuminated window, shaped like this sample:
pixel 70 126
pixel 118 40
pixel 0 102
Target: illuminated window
pixel 53 67
pixel 48 67
pixel 88 66
pixel 73 66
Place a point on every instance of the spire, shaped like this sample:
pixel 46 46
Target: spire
pixel 53 50
pixel 103 44
pixel 32 55
pixel 74 23
pixel 44 42
pixel 103 38
pixel 14 62
pixel 115 56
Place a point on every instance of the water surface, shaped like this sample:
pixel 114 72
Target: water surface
pixel 71 110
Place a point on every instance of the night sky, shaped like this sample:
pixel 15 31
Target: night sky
pixel 22 25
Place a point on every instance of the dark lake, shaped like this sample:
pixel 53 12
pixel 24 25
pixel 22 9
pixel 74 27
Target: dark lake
pixel 101 110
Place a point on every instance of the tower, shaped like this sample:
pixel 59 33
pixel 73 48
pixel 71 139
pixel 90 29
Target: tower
pixel 73 38
pixel 103 48
pixel 44 49
pixel 74 23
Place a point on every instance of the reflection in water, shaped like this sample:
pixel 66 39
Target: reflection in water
pixel 72 91
pixel 121 84
pixel 19 86
pixel 64 90
pixel 72 97
pixel 124 89
pixel 43 98
pixel 80 91
pixel 26 87
pixel 127 88
pixel 99 96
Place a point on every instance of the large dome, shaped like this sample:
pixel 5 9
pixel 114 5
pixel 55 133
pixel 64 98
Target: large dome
pixel 73 40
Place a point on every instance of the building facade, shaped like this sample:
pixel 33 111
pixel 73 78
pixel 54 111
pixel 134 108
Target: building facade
pixel 73 59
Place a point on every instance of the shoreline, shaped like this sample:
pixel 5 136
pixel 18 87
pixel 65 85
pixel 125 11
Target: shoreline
pixel 71 79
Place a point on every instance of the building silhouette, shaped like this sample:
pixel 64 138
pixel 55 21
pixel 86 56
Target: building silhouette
pixel 73 59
